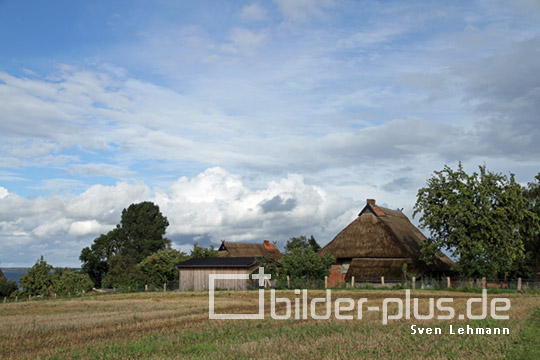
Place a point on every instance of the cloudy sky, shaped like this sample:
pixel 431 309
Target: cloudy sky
pixel 250 120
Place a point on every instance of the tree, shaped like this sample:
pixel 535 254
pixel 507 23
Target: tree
pixel 38 280
pixel 138 235
pixel 122 273
pixel 159 268
pixel 202 252
pixel 304 264
pixel 143 227
pixel 532 246
pixel 482 219
pixel 302 242
pixel 71 282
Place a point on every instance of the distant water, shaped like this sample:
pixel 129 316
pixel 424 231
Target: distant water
pixel 14 274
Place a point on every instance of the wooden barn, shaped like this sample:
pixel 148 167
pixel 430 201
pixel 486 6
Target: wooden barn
pixel 241 249
pixel 194 272
pixel 377 243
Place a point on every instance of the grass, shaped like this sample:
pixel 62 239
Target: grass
pixel 176 325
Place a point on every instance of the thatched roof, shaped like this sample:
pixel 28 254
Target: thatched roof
pixel 239 249
pixel 380 233
pixel 219 262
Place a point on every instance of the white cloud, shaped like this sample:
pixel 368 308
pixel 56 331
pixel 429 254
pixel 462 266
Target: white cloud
pixel 3 192
pixel 210 206
pixel 87 227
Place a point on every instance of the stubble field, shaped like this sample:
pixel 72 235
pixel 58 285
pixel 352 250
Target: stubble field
pixel 176 325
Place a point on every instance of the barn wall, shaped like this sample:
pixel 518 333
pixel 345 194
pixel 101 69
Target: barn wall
pixel 196 279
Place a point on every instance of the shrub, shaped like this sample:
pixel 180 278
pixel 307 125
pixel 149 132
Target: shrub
pixel 7 287
pixel 71 282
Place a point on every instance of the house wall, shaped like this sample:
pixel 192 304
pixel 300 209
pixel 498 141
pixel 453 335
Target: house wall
pixel 197 279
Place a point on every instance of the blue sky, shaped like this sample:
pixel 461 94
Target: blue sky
pixel 251 120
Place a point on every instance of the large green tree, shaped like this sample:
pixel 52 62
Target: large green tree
pixel 482 219
pixel 139 234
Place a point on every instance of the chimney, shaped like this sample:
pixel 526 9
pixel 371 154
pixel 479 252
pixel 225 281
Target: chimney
pixel 370 202
pixel 267 245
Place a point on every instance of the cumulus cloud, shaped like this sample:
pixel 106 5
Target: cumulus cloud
pixel 210 206
pixel 278 204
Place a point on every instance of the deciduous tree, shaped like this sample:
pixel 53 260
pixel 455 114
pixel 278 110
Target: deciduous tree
pixel 482 219
pixel 38 280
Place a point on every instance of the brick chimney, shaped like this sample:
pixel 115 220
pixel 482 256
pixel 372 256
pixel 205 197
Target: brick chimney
pixel 370 202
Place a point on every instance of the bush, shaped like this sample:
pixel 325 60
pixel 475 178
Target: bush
pixel 7 287
pixel 159 268
pixel 71 282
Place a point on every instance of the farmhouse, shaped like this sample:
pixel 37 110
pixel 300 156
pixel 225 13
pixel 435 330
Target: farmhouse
pixel 377 243
pixel 239 249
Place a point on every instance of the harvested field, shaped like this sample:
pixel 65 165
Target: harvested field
pixel 176 325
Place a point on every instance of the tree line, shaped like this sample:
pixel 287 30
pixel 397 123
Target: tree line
pixel 488 223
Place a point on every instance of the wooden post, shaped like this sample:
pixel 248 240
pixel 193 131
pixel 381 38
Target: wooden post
pixel 146 287
pixel 326 282
pixel 414 282
pixel 382 280
pixel 519 285
pixel 55 295
pixel 288 282
pixel 352 282
pixel 16 298
pixel 448 283
pixel 164 287
pixel 266 283
pixel 5 298
pixel 29 297
pixel 484 282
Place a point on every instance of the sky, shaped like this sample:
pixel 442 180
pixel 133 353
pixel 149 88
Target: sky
pixel 251 120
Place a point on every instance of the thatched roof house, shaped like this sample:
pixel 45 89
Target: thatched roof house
pixel 377 243
pixel 240 249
